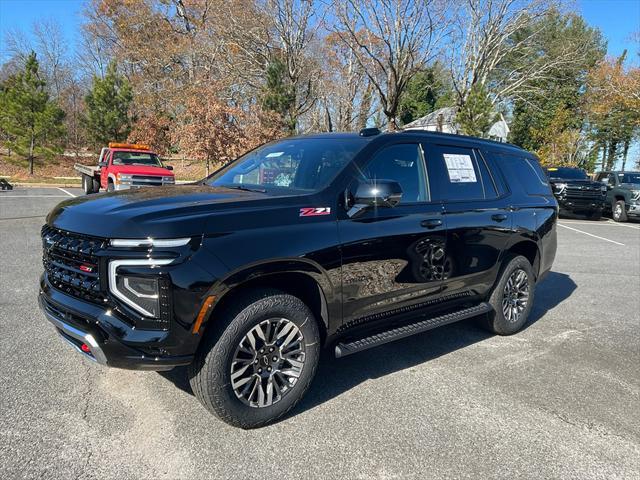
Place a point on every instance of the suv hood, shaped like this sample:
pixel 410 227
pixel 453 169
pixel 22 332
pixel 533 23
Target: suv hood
pixel 158 212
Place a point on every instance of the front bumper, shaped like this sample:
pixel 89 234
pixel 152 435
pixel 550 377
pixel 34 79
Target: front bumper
pixel 128 186
pixel 580 205
pixel 99 335
pixel 633 210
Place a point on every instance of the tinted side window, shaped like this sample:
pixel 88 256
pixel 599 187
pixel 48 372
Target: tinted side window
pixel 404 164
pixel 460 174
pixel 528 173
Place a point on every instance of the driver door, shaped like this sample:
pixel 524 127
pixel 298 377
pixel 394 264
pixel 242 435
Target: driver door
pixel 394 257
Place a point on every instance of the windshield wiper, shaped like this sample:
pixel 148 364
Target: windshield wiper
pixel 243 188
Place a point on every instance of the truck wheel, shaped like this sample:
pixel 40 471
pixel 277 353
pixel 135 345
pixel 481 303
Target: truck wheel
pixel 257 360
pixel 87 184
pixel 512 297
pixel 110 186
pixel 619 211
pixel 95 185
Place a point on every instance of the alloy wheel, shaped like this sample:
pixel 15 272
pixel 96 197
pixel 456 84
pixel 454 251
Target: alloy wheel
pixel 515 295
pixel 268 362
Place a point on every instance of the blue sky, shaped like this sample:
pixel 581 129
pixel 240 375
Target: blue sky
pixel 617 19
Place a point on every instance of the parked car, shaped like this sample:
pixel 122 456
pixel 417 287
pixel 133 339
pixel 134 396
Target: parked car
pixel 576 192
pixel 623 194
pixel 122 166
pixel 346 241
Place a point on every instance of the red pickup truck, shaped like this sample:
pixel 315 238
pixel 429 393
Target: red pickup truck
pixel 124 165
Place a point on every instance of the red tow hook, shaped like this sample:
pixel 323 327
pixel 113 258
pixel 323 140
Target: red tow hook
pixel 85 348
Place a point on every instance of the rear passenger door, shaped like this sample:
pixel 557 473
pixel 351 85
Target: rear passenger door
pixel 477 216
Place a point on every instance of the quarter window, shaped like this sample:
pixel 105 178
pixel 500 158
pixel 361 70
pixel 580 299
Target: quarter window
pixel 404 164
pixel 528 172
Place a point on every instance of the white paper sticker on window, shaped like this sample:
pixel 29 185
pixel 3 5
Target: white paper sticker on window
pixel 274 154
pixel 460 168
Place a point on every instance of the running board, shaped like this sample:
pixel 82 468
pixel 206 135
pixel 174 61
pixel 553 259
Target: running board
pixel 344 349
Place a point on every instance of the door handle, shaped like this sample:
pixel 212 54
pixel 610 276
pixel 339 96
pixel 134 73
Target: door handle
pixel 498 217
pixel 431 223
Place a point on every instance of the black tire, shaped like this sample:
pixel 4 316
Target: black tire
pixel 497 321
pixel 87 184
pixel 95 185
pixel 210 373
pixel 619 211
pixel 110 186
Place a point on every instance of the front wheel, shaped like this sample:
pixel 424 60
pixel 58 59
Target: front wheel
pixel 512 297
pixel 258 360
pixel 619 211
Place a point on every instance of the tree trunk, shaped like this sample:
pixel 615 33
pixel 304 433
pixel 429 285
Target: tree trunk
pixel 625 152
pixel 613 147
pixel 31 145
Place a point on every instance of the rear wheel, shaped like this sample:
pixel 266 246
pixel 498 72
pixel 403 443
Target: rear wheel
pixel 512 297
pixel 258 361
pixel 619 211
pixel 87 184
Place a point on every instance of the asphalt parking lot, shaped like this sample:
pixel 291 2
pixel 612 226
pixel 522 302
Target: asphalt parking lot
pixel 561 399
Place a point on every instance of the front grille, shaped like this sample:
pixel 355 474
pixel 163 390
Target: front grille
pixel 594 193
pixel 143 180
pixel 71 263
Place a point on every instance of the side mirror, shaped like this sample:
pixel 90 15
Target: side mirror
pixel 375 193
pixel 168 167
pixel 102 164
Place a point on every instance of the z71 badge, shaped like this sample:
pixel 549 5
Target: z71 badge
pixel 315 211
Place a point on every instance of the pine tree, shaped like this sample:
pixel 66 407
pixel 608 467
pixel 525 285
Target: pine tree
pixel 31 122
pixel 476 115
pixel 277 95
pixel 108 105
pixel 427 91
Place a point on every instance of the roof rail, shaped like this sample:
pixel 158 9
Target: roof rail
pixel 369 132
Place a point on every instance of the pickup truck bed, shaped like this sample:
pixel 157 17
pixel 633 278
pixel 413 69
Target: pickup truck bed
pixel 89 170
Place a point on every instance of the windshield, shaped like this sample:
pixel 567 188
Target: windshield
pixel 290 166
pixel 567 173
pixel 629 177
pixel 136 158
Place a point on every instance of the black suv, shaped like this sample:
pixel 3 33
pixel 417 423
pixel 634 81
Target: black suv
pixel 576 192
pixel 623 194
pixel 341 240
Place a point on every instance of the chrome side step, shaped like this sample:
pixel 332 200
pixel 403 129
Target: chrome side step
pixel 365 343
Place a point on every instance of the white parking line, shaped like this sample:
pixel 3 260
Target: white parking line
pixel 609 223
pixel 68 193
pixel 34 196
pixel 591 234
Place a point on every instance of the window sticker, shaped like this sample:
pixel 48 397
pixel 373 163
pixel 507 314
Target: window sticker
pixel 460 168
pixel 274 154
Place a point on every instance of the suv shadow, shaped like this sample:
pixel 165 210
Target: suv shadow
pixel 336 376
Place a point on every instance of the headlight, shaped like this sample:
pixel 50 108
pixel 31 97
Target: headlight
pixel 635 195
pixel 124 178
pixel 168 180
pixel 142 293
